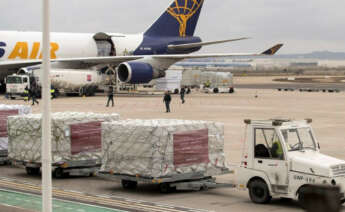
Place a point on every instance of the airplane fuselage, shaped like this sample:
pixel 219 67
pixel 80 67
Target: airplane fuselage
pixel 27 45
pixel 16 45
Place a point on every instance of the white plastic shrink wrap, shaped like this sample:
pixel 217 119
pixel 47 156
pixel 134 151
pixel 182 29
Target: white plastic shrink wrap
pixel 75 137
pixel 5 112
pixel 160 148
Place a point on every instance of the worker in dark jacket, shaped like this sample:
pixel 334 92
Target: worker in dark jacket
pixel 182 93
pixel 33 94
pixel 110 96
pixel 167 100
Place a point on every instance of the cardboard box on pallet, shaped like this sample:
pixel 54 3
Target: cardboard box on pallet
pixel 75 137
pixel 159 148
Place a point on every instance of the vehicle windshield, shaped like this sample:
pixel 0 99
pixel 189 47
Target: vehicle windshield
pixel 14 80
pixel 299 139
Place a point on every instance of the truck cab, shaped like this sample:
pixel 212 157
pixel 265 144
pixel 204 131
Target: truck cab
pixel 282 158
pixel 16 84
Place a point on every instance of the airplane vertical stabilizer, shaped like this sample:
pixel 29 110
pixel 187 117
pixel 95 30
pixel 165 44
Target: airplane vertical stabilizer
pixel 180 19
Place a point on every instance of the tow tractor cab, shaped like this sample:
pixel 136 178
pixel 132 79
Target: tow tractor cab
pixel 282 158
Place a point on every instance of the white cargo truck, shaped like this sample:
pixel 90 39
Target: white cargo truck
pixel 217 82
pixel 81 82
pixel 282 158
pixel 171 81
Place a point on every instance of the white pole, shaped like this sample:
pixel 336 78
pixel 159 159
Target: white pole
pixel 46 120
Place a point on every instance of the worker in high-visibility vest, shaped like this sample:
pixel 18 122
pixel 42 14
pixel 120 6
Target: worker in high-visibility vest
pixel 277 150
pixel 207 84
pixel 26 94
pixel 52 91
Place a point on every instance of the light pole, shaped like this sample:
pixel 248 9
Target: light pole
pixel 46 119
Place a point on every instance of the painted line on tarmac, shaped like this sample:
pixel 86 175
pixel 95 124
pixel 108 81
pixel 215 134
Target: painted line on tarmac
pixel 100 200
pixel 34 202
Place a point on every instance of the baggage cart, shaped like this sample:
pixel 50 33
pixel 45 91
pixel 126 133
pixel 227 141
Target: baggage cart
pixel 187 182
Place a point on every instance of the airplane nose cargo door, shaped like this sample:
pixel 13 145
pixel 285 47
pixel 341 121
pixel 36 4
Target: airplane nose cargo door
pixel 106 48
pixel 105 45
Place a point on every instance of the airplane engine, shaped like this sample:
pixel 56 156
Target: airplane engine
pixel 138 73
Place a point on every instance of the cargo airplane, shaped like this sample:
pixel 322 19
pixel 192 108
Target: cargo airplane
pixel 139 58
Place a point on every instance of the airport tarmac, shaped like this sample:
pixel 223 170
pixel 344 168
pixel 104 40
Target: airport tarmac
pixel 326 109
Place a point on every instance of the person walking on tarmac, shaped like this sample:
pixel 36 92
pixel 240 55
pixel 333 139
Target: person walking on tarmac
pixel 182 93
pixel 110 96
pixel 167 100
pixel 32 93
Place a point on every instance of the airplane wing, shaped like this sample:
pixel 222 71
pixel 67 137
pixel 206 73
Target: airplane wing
pixel 93 61
pixel 120 59
pixel 89 61
pixel 268 52
pixel 200 44
pixel 16 64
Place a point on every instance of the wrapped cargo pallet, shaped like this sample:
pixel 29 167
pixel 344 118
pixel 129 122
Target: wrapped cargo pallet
pixel 76 137
pixel 5 112
pixel 161 148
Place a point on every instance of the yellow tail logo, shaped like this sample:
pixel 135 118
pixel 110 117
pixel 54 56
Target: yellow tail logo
pixel 183 12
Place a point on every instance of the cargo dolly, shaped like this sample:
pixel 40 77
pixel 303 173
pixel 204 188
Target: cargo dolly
pixel 64 168
pixel 188 182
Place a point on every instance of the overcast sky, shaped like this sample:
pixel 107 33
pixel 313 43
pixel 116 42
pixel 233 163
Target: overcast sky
pixel 302 25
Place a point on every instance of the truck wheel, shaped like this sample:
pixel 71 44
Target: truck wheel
pixel 215 90
pixel 58 173
pixel 128 184
pixel 94 89
pixel 301 200
pixel 176 91
pixel 258 192
pixel 231 90
pixel 313 198
pixel 82 91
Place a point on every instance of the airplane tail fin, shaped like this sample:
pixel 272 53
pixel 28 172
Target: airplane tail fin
pixel 272 50
pixel 180 19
